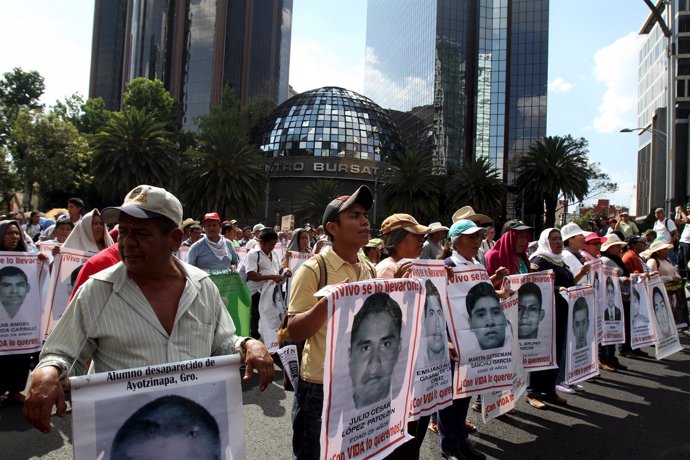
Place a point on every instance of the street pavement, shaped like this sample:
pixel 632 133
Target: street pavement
pixel 641 413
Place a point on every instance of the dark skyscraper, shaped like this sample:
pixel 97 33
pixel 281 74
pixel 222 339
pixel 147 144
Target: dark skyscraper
pixel 195 47
pixel 462 78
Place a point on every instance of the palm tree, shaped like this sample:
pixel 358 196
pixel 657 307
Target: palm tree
pixel 553 166
pixel 478 184
pixel 222 174
pixel 410 187
pixel 311 202
pixel 132 149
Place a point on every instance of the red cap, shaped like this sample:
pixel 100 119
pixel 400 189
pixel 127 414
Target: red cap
pixel 594 238
pixel 211 216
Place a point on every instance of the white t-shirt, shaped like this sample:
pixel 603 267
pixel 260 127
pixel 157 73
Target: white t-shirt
pixel 266 266
pixel 685 236
pixel 660 227
pixel 386 268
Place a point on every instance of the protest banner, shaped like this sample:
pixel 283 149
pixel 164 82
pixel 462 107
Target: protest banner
pixel 612 305
pixel 279 250
pixel 678 301
pixel 581 361
pixel 188 409
pixel 241 253
pixel 20 296
pixel 371 341
pixel 594 279
pixel 237 298
pixel 641 328
pixel 432 386
pixel 295 261
pixel 498 402
pixel 46 249
pixel 66 267
pixel 287 223
pixel 480 330
pixel 667 341
pixel 536 319
pixel 272 309
pixel 289 358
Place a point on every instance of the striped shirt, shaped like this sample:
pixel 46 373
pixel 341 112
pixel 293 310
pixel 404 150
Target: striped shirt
pixel 110 321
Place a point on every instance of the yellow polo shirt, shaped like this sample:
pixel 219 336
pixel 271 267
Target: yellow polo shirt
pixel 302 289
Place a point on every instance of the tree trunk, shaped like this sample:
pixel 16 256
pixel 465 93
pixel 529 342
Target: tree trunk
pixel 550 211
pixel 26 200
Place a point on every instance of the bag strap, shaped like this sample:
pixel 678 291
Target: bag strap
pixel 323 271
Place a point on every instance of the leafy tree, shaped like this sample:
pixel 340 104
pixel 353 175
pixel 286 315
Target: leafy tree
pixel 18 89
pixel 49 152
pixel 478 184
pixel 133 148
pixel 410 187
pixel 310 203
pixel 142 93
pixel 87 116
pixel 553 167
pixel 223 174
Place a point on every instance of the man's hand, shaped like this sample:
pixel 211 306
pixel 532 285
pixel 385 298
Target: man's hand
pixel 404 270
pixel 257 357
pixel 44 393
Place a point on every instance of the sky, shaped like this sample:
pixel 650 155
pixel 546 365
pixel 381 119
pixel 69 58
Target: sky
pixel 593 58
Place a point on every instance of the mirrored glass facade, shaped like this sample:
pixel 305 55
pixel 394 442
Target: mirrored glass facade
pixel 461 78
pixel 195 47
pixel 331 122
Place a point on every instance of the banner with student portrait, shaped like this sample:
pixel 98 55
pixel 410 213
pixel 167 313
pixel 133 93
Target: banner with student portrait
pixel 641 328
pixel 295 261
pixel 612 308
pixel 237 298
pixel 188 409
pixel 480 330
pixel 581 351
pixel 678 301
pixel 373 334
pixel 20 303
pixel 432 386
pixel 535 315
pixel 594 277
pixel 667 342
pixel 498 402
pixel 272 310
pixel 66 267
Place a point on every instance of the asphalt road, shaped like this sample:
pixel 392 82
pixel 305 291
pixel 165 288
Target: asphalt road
pixel 643 412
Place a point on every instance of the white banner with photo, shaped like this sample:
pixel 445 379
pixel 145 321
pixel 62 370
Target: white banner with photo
pixel 612 306
pixel 295 261
pixel 183 253
pixel 189 409
pixel 480 330
pixel 536 319
pixel 641 328
pixel 372 339
pixel 499 402
pixel 280 250
pixel 581 361
pixel 667 342
pixel 66 267
pixel 272 310
pixel 46 249
pixel 432 385
pixel 20 296
pixel 594 278
pixel 241 253
pixel 289 358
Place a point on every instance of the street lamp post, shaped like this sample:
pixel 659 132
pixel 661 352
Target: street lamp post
pixel 664 140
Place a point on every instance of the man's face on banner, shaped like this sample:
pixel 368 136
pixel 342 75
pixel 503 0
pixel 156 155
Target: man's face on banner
pixel 580 327
pixel 661 314
pixel 530 315
pixel 635 304
pixel 435 325
pixel 488 322
pixel 374 353
pixel 13 291
pixel 610 294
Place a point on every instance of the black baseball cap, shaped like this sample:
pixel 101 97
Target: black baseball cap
pixel 361 196
pixel 515 225
pixel 635 239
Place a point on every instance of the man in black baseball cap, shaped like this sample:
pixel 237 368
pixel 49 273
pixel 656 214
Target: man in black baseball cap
pixel 346 223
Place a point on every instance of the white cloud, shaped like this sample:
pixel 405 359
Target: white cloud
pixel 313 66
pixel 615 65
pixel 559 85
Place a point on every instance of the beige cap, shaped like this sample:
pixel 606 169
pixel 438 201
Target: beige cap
pixel 466 212
pixel 404 221
pixel 146 202
pixel 612 240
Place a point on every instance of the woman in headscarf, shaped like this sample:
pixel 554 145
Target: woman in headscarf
pixel 89 234
pixel 509 251
pixel 15 368
pixel 549 256
pixel 299 243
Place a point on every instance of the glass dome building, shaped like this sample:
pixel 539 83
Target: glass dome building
pixel 331 122
pixel 326 133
